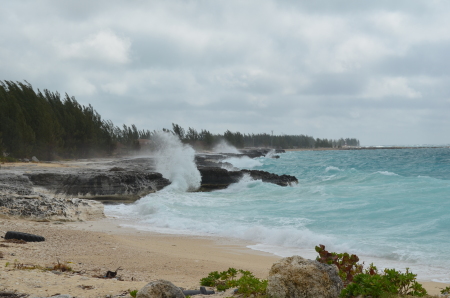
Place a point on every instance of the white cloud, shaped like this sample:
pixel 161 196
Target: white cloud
pixel 81 86
pixel 103 46
pixel 391 86
pixel 117 88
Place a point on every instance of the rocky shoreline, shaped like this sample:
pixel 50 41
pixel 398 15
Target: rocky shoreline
pixel 73 191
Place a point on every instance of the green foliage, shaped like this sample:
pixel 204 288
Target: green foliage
pixel 445 291
pixel 369 282
pixel 8 159
pixel 380 285
pixel 133 293
pixel 47 125
pixel 347 264
pixel 240 140
pixel 247 283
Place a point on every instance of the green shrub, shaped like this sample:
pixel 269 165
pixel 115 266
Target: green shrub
pixel 369 282
pixel 445 291
pixel 390 282
pixel 347 264
pixel 247 283
pixel 133 293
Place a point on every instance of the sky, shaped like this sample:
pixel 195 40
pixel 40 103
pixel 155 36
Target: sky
pixel 378 71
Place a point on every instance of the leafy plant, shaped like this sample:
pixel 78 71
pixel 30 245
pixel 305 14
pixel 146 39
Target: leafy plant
pixel 133 293
pixel 445 291
pixel 380 285
pixel 347 264
pixel 369 282
pixel 247 283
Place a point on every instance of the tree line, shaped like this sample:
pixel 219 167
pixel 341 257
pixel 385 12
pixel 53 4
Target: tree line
pixel 207 139
pixel 48 125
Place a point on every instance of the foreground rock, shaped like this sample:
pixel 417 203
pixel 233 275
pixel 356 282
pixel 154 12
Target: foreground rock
pixel 301 278
pixel 160 289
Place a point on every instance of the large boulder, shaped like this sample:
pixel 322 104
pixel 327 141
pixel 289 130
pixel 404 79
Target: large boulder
pixel 160 289
pixel 301 278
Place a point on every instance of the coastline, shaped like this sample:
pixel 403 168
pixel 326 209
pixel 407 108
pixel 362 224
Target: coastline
pixel 94 247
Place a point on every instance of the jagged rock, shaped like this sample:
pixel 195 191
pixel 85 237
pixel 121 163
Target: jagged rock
pixel 282 180
pixel 301 278
pixel 252 153
pixel 108 185
pixel 34 158
pixel 38 206
pixel 218 178
pixel 160 289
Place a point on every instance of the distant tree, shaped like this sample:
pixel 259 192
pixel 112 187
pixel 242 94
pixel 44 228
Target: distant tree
pixel 192 135
pixel 178 130
pixel 207 138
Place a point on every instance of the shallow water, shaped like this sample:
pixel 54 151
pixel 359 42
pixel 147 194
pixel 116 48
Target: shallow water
pixel 390 207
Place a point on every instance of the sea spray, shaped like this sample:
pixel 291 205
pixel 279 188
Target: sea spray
pixel 224 147
pixel 175 161
pixel 244 162
pixel 270 154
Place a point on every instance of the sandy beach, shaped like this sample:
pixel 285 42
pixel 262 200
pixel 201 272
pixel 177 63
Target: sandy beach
pixel 93 248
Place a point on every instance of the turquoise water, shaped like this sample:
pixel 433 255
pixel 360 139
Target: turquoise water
pixel 390 207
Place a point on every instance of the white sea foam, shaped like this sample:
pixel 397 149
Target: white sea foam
pixel 175 161
pixel 332 169
pixel 224 147
pixel 244 162
pixel 387 173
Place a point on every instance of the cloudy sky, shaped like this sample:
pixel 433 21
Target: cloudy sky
pixel 378 71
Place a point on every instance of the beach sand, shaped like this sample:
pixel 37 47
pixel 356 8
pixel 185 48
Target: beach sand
pixel 93 248
pixel 96 247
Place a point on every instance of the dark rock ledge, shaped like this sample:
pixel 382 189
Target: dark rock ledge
pixel 218 178
pixel 106 186
pixel 66 193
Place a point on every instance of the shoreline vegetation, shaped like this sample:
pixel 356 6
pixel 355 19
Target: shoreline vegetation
pixel 50 126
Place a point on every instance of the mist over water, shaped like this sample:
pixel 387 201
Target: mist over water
pixel 390 207
pixel 224 147
pixel 176 162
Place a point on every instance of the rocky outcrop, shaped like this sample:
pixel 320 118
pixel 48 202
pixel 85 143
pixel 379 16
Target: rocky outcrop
pixel 160 289
pixel 260 152
pixel 218 178
pixel 282 180
pixel 298 277
pixel 116 184
pixel 18 199
pixel 40 207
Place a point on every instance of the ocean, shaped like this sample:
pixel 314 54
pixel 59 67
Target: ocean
pixel 388 206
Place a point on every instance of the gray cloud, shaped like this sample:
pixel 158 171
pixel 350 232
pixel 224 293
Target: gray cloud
pixel 372 70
